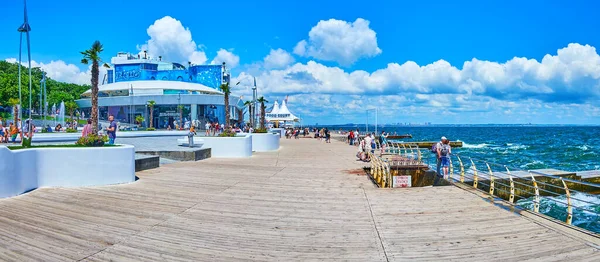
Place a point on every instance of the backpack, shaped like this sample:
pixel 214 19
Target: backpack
pixel 434 148
pixel 445 150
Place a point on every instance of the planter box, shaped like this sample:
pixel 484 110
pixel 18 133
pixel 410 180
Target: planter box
pixel 229 147
pixel 27 169
pixel 263 142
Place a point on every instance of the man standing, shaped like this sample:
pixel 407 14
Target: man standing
pixel 111 130
pixel 207 127
pixel 438 155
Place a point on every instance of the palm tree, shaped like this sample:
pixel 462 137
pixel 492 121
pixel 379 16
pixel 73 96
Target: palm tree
pixel 71 107
pixel 93 55
pixel 249 105
pixel 14 102
pixel 151 104
pixel 226 91
pixel 262 102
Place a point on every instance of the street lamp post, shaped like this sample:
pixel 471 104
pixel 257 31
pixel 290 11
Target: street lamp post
pixel 131 104
pixel 376 114
pixel 254 98
pixel 24 28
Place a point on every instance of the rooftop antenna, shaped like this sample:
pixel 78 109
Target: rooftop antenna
pixel 145 56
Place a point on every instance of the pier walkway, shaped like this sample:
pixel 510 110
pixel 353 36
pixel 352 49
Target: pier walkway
pixel 304 202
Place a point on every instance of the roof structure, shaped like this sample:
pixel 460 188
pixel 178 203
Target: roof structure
pixel 153 87
pixel 282 114
pixel 275 109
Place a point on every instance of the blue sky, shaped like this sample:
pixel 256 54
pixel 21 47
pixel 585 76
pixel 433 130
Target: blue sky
pixel 430 61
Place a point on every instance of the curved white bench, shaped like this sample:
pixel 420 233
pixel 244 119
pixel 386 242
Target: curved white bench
pixel 263 142
pixel 229 147
pixel 27 169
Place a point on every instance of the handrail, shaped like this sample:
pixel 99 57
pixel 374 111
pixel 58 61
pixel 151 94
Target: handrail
pixel 530 185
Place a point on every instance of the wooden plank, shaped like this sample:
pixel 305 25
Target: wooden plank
pixel 299 203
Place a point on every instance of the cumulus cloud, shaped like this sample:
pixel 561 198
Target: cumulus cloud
pixel 171 40
pixel 63 72
pixel 231 59
pixel 340 41
pixel 570 75
pixel 278 59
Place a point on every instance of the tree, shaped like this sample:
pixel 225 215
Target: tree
pixel 71 106
pixel 151 104
pixel 139 119
pixel 226 91
pixel 251 119
pixel 14 102
pixel 93 55
pixel 262 102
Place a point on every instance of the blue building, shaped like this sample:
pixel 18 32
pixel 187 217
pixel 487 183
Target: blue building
pixel 181 93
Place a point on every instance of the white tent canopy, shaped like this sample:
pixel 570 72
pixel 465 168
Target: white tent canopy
pixel 280 113
pixel 275 109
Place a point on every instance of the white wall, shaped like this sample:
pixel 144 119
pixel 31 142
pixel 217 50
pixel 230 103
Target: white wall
pixel 27 169
pixel 66 137
pixel 229 147
pixel 263 142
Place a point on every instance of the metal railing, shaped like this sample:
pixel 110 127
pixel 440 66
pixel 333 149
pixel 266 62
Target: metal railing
pixel 513 184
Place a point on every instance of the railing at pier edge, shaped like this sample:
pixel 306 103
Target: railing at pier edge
pixel 513 184
pixel 496 180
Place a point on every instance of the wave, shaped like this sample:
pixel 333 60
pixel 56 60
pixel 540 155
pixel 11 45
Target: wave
pixel 584 147
pixel 465 145
pixel 586 209
pixel 535 163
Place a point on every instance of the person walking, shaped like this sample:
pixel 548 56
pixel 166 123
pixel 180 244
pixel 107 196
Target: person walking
pixel 111 130
pixel 207 127
pixel 87 129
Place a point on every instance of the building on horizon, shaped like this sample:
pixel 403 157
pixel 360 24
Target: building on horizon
pixel 132 81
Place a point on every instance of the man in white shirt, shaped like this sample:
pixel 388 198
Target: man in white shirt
pixel 207 127
pixel 368 141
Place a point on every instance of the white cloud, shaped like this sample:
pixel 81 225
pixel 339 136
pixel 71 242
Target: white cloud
pixel 172 41
pixel 229 58
pixel 488 89
pixel 340 41
pixel 572 75
pixel 63 72
pixel 278 59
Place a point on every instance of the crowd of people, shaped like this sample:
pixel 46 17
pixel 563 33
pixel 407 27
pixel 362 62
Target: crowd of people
pixel 9 131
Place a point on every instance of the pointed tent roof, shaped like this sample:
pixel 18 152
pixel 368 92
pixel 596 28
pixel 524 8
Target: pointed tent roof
pixel 283 109
pixel 283 114
pixel 275 109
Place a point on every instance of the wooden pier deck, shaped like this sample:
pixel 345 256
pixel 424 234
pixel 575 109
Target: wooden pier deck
pixel 304 202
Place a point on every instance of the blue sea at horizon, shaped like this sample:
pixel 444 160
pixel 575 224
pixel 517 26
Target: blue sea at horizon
pixel 568 148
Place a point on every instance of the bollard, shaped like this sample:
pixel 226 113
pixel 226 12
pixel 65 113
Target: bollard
pixel 191 139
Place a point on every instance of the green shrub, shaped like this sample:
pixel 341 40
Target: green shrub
pixel 260 130
pixel 228 133
pixel 150 129
pixel 71 130
pixel 44 130
pixel 92 140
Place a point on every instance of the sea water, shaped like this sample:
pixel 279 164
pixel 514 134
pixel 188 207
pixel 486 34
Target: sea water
pixel 568 148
